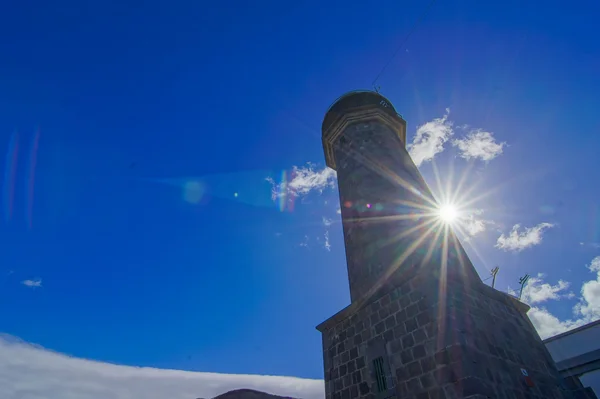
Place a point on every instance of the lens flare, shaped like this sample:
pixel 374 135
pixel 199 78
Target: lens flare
pixel 448 213
pixel 193 191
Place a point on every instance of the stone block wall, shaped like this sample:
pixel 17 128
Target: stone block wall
pixel 441 340
pixel 417 302
pixel 383 198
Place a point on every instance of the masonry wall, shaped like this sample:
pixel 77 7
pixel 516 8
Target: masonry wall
pixel 417 301
pixel 379 185
pixel 440 340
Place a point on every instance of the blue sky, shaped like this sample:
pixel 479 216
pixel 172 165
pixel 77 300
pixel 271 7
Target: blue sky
pixel 138 223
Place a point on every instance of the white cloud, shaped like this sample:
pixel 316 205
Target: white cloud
pixel 517 241
pixel 304 242
pixel 537 291
pixel 548 325
pixel 473 224
pixel 589 305
pixel 339 211
pixel 479 144
pixel 35 283
pixel 28 372
pixel 303 181
pixel 585 311
pixel 595 264
pixel 430 138
pixel 327 222
pixel 327 244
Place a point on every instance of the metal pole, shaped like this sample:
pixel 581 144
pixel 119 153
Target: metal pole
pixel 494 272
pixel 523 281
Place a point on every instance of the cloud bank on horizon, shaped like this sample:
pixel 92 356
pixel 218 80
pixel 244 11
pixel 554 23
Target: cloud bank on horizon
pixel 28 371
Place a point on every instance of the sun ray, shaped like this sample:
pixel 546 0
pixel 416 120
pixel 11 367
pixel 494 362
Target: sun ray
pixel 389 218
pixel 467 200
pixel 432 245
pixel 397 263
pixel 471 244
pixel 412 204
pixel 449 179
pixel 407 232
pixel 461 182
pixel 385 172
pixel 437 216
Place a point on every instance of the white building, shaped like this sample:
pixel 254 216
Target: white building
pixel 577 356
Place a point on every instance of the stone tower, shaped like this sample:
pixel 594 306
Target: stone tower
pixel 421 324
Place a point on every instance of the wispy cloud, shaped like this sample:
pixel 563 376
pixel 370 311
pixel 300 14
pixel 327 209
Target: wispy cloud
pixel 430 138
pixel 327 222
pixel 304 180
pixel 304 242
pixel 517 240
pixel 28 371
pixel 327 244
pixel 479 144
pixel 35 283
pixel 594 245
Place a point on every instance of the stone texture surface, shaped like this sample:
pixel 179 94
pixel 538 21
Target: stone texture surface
pixel 415 295
pixel 386 208
pixel 443 339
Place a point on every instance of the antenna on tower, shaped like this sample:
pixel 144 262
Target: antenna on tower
pixel 494 271
pixel 523 281
pixel 377 88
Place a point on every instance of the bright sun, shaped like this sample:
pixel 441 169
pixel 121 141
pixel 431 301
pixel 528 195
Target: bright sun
pixel 448 213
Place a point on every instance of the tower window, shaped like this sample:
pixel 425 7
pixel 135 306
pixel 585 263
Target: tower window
pixel 380 378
